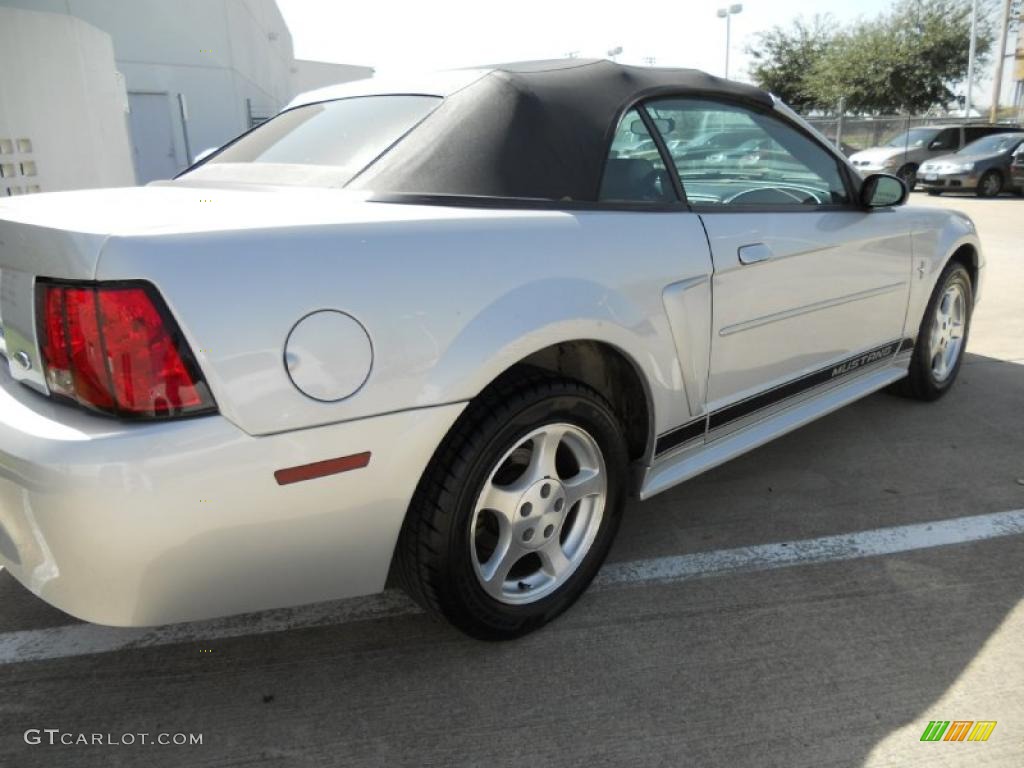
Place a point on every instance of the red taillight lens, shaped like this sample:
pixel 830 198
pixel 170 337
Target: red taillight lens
pixel 85 348
pixel 115 348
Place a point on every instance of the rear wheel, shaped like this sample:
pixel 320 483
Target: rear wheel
pixel 942 336
pixel 516 512
pixel 990 184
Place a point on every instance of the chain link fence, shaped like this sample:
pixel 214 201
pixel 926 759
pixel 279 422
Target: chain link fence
pixel 855 133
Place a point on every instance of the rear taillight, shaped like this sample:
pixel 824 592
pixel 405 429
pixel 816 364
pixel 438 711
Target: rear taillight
pixel 116 349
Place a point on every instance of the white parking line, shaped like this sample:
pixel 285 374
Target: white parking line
pixel 83 639
pixel 879 541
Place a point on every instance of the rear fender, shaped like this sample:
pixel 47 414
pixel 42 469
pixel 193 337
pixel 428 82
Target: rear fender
pixel 540 314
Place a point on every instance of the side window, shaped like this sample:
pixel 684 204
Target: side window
pixel 947 139
pixel 731 156
pixel 634 171
pixel 971 133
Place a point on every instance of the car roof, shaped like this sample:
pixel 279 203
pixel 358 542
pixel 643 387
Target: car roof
pixel 536 129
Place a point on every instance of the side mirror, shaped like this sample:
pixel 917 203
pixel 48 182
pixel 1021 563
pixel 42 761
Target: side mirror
pixel 881 190
pixel 937 144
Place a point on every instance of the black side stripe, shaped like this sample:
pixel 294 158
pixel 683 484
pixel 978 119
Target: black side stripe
pixel 680 435
pixel 744 408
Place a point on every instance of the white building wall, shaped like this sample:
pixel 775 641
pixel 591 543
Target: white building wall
pixel 309 75
pixel 221 54
pixel 62 106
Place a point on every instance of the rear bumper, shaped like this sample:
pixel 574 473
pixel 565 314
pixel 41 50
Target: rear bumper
pixel 142 524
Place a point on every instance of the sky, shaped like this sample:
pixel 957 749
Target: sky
pixel 396 36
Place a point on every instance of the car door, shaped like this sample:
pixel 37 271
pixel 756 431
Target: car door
pixel 805 280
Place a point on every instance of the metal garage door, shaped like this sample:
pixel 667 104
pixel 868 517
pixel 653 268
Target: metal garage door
pixel 153 137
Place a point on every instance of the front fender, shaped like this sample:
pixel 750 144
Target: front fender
pixel 938 234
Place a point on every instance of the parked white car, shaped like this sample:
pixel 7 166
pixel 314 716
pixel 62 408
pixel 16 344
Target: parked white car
pixel 441 329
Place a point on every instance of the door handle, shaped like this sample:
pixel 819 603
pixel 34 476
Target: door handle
pixel 753 253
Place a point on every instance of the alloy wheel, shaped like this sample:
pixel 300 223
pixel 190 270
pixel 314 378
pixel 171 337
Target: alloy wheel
pixel 909 175
pixel 947 334
pixel 991 185
pixel 538 514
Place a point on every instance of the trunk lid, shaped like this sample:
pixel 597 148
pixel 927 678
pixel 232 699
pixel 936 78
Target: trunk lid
pixel 62 234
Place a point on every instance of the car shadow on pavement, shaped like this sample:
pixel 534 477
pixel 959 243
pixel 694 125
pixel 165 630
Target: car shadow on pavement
pixel 804 666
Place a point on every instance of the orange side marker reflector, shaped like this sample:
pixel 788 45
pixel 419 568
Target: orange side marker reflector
pixel 321 468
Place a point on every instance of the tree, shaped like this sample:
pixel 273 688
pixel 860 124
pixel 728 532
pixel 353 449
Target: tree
pixel 785 57
pixel 911 58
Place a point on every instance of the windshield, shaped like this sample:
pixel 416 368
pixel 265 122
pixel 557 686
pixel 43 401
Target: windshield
pixel 996 144
pixel 337 138
pixel 916 137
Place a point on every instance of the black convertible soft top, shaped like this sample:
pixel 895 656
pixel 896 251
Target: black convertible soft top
pixel 537 130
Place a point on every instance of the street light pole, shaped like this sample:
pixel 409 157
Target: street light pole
pixel 997 80
pixel 727 14
pixel 970 57
pixel 728 42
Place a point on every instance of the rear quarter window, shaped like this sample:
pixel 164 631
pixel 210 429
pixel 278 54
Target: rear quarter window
pixel 342 137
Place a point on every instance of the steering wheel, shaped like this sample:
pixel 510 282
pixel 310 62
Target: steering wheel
pixel 773 196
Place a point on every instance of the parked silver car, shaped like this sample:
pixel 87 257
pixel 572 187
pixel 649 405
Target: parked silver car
pixel 982 166
pixel 441 329
pixel 904 153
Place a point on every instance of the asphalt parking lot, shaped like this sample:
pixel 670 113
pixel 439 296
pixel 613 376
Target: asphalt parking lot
pixel 814 603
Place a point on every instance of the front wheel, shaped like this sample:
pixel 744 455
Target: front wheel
pixel 518 508
pixel 942 337
pixel 909 175
pixel 990 184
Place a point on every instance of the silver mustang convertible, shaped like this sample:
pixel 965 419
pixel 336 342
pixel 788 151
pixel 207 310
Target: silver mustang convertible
pixel 439 331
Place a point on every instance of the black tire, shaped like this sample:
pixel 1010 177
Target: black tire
pixel 934 192
pixel 990 184
pixel 434 563
pixel 908 173
pixel 921 382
